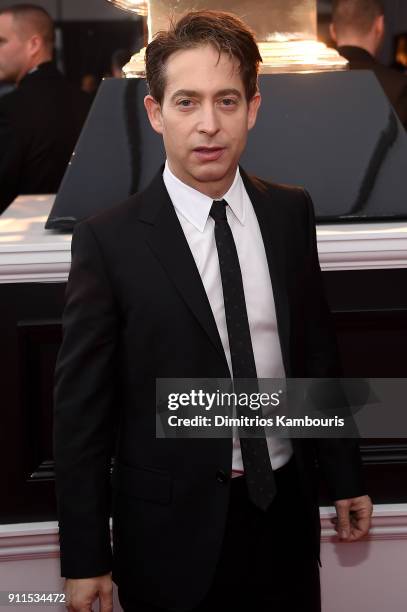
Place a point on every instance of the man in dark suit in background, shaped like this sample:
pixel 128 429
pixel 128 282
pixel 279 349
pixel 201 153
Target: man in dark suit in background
pixel 358 28
pixel 119 59
pixel 40 121
pixel 207 273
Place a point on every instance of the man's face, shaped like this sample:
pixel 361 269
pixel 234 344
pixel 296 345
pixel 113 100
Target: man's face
pixel 14 56
pixel 204 118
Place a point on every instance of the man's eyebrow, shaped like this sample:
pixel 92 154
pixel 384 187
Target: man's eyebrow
pixel 185 93
pixel 190 93
pixel 229 92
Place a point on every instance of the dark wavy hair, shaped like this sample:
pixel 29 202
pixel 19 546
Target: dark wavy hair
pixel 224 31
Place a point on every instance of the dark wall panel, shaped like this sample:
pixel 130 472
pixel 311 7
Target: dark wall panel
pixel 370 310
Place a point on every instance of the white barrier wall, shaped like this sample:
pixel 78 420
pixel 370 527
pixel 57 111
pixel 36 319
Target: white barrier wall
pixel 370 576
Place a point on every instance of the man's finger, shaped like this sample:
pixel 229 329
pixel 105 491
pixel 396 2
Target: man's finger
pixel 343 528
pixel 106 601
pixel 80 608
pixel 360 527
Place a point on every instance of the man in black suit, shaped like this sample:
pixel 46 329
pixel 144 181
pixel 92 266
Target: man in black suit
pixel 207 273
pixel 358 28
pixel 40 121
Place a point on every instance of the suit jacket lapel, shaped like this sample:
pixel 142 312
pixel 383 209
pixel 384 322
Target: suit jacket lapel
pixel 166 239
pixel 274 238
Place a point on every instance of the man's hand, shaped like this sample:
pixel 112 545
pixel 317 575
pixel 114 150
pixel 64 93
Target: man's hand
pixel 353 518
pixel 82 592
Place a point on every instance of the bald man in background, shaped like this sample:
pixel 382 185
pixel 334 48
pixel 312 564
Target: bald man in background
pixel 358 29
pixel 40 121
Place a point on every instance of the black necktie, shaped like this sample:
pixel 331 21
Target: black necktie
pixel 256 460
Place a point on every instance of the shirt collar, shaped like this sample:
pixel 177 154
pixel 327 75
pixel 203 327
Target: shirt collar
pixel 195 206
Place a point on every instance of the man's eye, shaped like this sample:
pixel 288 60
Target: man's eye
pixel 185 103
pixel 228 102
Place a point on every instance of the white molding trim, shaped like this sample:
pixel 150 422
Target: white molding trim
pixel 39 272
pixel 40 540
pixel 362 246
pixel 389 523
pixel 28 252
pixel 29 541
pixel 31 254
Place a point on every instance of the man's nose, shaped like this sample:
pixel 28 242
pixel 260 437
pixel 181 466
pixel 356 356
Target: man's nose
pixel 208 121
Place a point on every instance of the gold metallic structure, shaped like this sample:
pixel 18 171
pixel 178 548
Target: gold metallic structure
pixel 136 6
pixel 286 31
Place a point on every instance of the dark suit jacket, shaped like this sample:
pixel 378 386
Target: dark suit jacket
pixel 394 83
pixel 40 122
pixel 136 309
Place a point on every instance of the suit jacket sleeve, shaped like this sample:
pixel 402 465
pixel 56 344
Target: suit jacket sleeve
pixel 10 158
pixel 83 414
pixel 338 458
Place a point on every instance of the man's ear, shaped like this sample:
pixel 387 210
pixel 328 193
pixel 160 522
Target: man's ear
pixel 332 32
pixel 153 109
pixel 380 27
pixel 35 44
pixel 254 106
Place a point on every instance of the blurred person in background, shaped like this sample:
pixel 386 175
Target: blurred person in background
pixel 400 60
pixel 119 59
pixel 358 28
pixel 41 119
pixel 89 84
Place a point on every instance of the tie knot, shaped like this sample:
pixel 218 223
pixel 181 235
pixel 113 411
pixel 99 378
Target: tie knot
pixel 218 210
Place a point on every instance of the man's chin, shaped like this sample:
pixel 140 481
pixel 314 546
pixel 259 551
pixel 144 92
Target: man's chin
pixel 210 173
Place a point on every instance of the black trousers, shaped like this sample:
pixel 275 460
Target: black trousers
pixel 267 562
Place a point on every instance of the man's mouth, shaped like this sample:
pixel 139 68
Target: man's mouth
pixel 209 153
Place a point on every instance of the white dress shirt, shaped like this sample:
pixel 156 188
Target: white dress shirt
pixel 192 208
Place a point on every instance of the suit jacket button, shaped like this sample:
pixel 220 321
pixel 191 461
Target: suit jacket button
pixel 221 476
